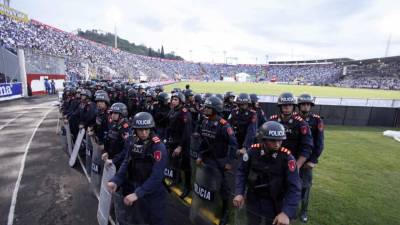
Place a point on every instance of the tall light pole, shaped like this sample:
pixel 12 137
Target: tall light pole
pixel 388 45
pixel 224 56
pixel 115 36
pixel 191 58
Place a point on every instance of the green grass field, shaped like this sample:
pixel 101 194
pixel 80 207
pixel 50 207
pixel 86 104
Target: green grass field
pixel 358 178
pixel 275 89
pixel 357 181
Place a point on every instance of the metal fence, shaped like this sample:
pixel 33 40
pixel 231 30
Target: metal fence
pixel 9 68
pixel 38 63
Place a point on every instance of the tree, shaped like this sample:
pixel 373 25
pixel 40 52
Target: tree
pixel 162 52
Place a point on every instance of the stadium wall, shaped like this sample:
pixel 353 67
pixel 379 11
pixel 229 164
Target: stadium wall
pixel 349 115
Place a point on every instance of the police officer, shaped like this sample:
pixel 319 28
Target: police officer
pixel 133 102
pixel 142 171
pixel 218 147
pixel 244 122
pixel 100 128
pixel 270 173
pixel 118 132
pixel 191 106
pixel 72 115
pixel 229 104
pixel 299 139
pixel 305 103
pixel 178 137
pixel 87 110
pixel 161 110
pixel 261 119
pixel 149 102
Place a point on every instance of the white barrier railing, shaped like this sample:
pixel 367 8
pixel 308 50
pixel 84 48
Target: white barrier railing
pixel 387 103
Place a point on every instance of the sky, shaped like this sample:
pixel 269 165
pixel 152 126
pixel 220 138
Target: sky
pixel 245 31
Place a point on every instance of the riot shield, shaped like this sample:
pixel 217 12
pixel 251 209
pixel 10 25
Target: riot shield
pixel 206 203
pixel 88 158
pixel 103 210
pixel 96 167
pixel 69 138
pixel 129 215
pixel 77 146
pixel 63 139
pixel 195 142
pixel 172 172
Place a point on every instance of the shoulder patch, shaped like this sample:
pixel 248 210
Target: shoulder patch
pixel 230 131
pixel 273 117
pixel 256 146
pixel 285 150
pixel 156 139
pixel 252 110
pixel 316 116
pixel 126 125
pixel 298 118
pixel 320 126
pixel 292 165
pixel 157 155
pixel 184 109
pixel 222 121
pixel 304 130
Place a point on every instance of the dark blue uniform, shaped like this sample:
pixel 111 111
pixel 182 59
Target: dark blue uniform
pixel 161 119
pixel 273 183
pixel 218 148
pixel 261 119
pixel 299 139
pixel 228 108
pixel 178 134
pixel 244 123
pixel 142 173
pixel 115 140
pixel 101 126
pixel 317 130
pixel 87 113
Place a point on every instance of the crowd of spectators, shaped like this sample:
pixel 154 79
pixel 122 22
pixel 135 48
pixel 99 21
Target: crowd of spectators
pixel 82 55
pixel 316 74
pixel 372 74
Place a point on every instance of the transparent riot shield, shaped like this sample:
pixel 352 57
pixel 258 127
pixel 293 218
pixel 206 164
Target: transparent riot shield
pixel 69 138
pixel 96 167
pixel 206 203
pixel 195 142
pixel 172 172
pixel 63 139
pixel 77 147
pixel 129 215
pixel 105 199
pixel 88 151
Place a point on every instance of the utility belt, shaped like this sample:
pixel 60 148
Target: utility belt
pixel 260 190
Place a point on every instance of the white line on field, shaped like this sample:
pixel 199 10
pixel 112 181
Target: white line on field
pixel 21 171
pixel 10 121
pixel 84 168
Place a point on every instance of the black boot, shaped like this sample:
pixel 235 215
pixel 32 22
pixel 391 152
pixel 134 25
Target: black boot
pixel 185 193
pixel 186 190
pixel 303 217
pixel 225 213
